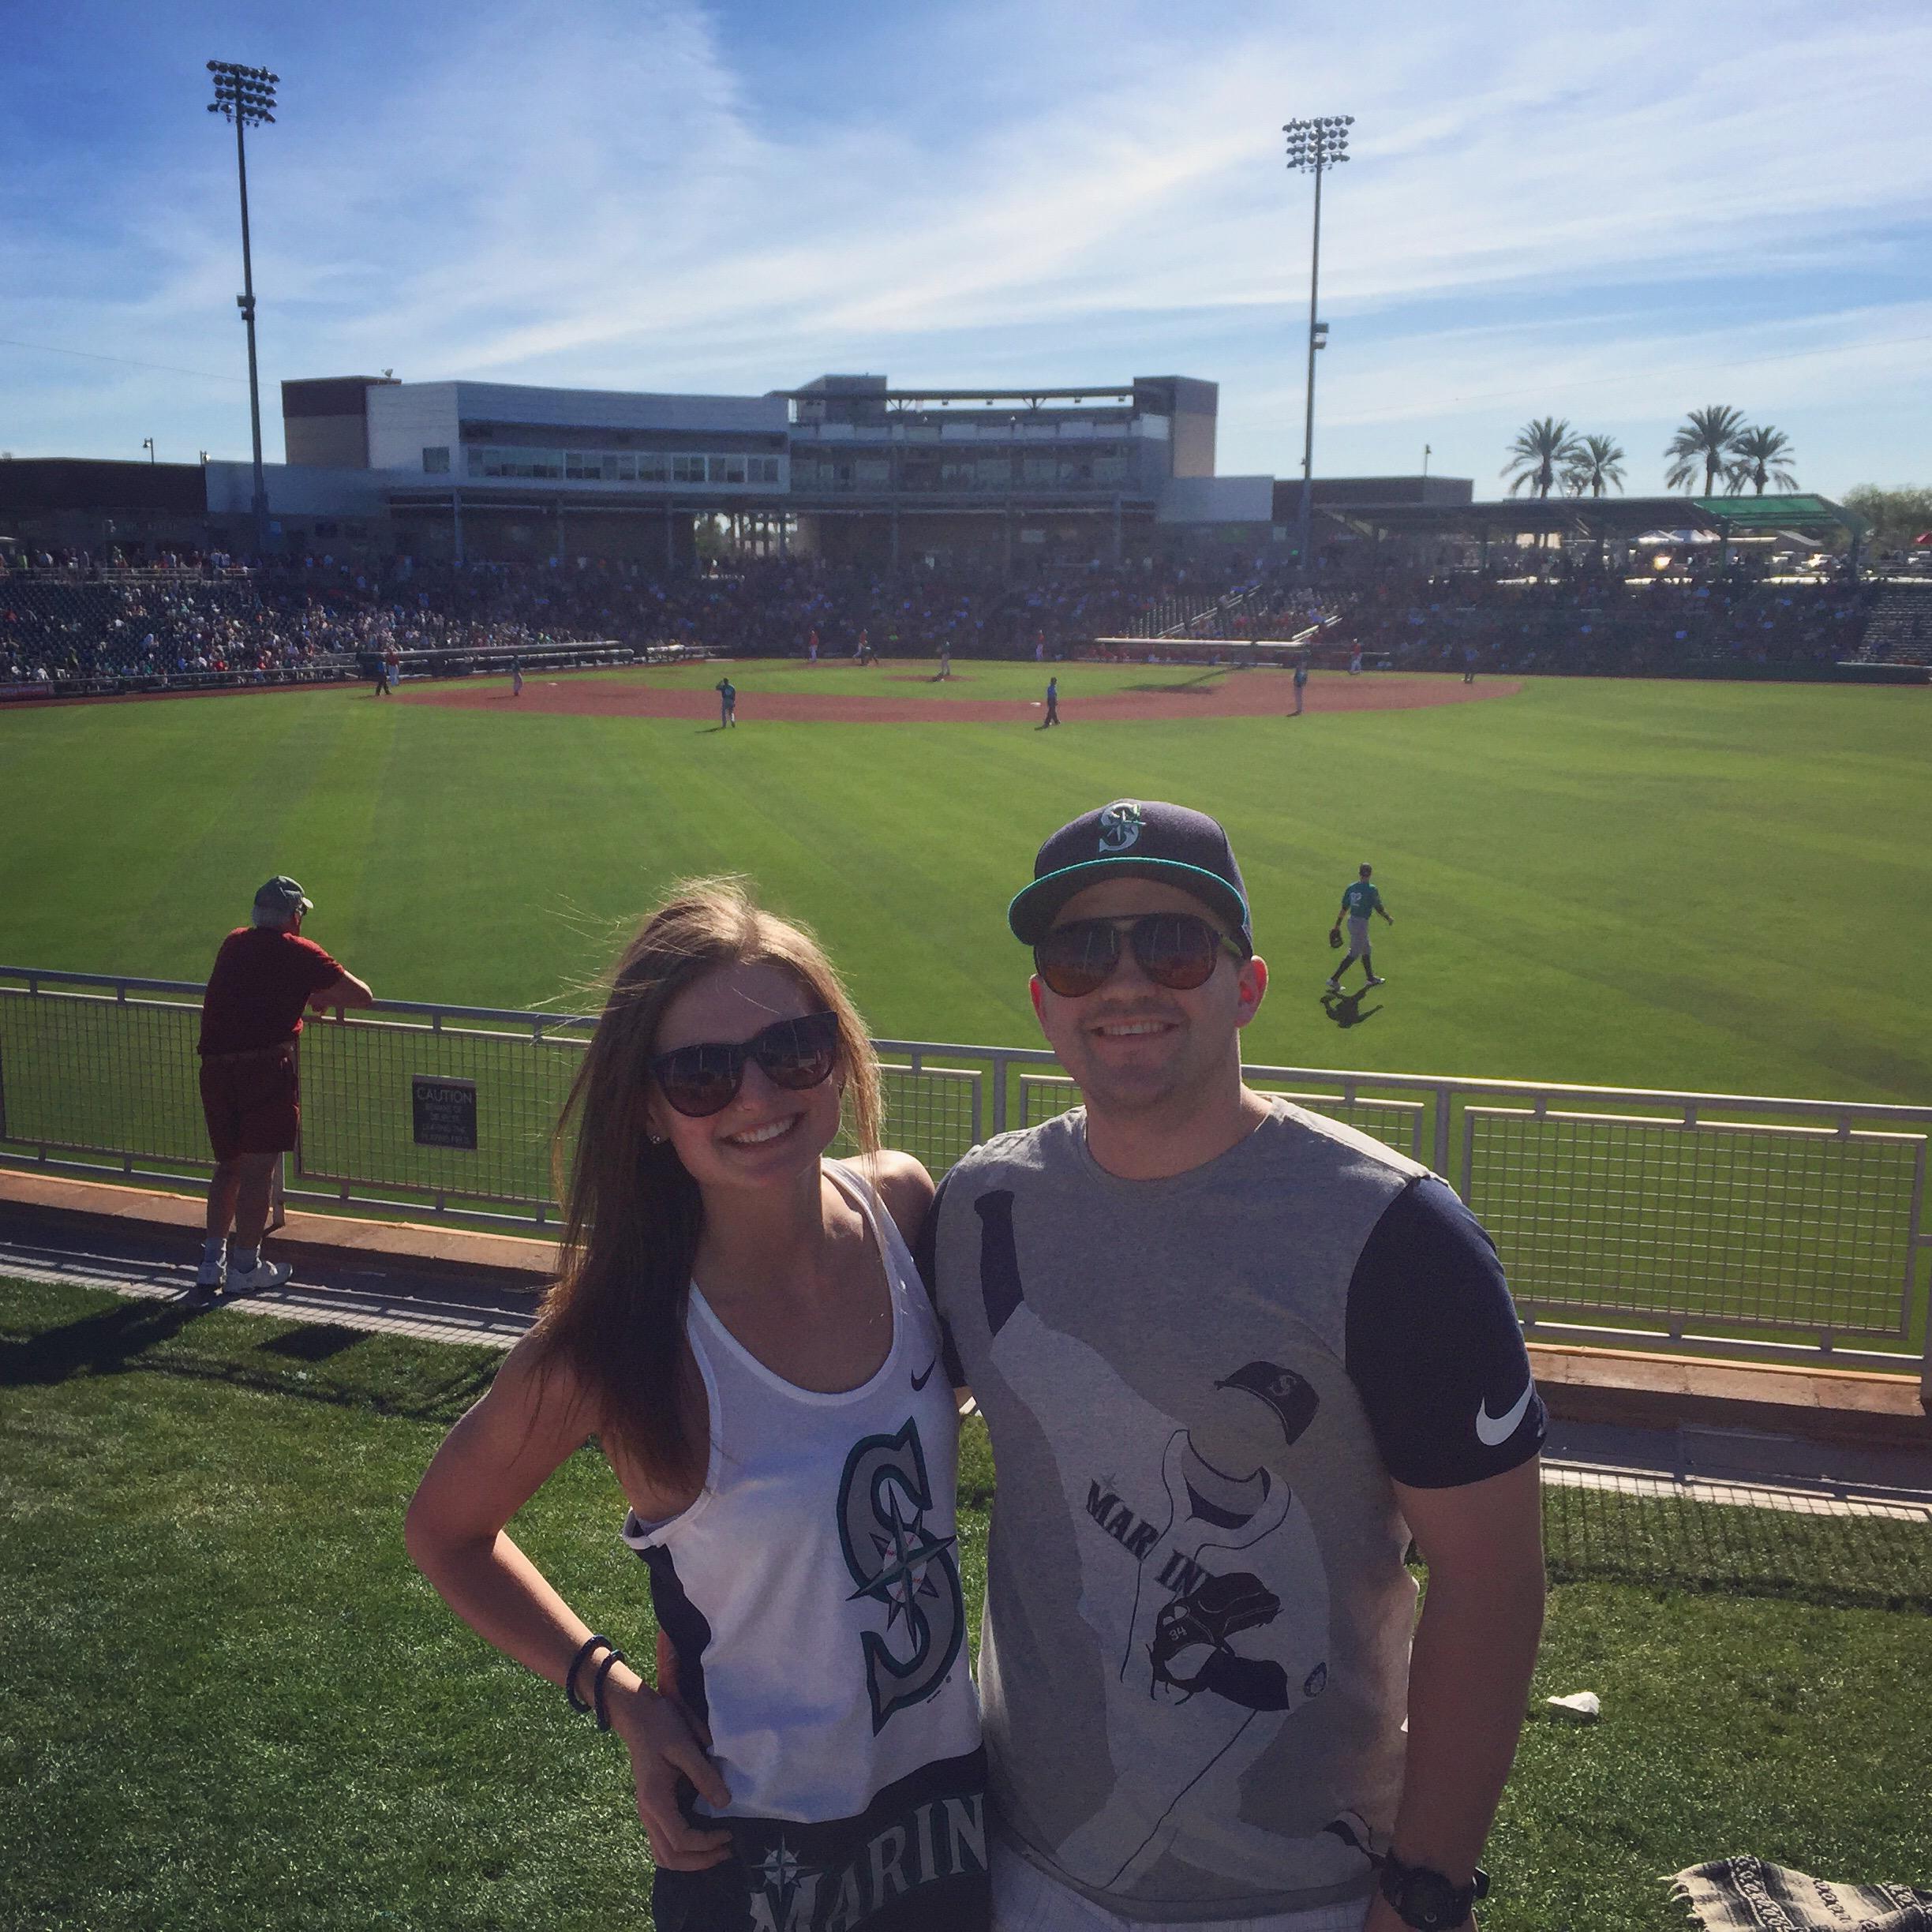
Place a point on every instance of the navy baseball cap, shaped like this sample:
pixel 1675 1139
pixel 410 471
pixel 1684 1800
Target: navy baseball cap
pixel 284 897
pixel 1139 839
pixel 1291 1396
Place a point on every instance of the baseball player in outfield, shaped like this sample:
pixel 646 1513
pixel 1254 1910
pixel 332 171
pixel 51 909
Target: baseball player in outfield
pixel 1234 1357
pixel 1359 899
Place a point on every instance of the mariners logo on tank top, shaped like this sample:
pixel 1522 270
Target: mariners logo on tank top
pixel 884 1497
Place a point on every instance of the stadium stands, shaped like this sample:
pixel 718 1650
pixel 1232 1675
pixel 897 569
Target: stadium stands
pixel 74 625
pixel 1705 626
pixel 1901 628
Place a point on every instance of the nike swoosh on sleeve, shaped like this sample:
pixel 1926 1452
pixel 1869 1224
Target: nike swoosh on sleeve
pixel 1493 1430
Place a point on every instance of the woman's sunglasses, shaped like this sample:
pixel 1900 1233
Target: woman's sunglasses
pixel 795 1054
pixel 1174 950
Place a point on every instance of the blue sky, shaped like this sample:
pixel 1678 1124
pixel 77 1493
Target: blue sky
pixel 1612 214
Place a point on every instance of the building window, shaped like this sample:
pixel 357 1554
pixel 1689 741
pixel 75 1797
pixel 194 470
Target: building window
pixel 436 461
pixel 687 469
pixel 728 468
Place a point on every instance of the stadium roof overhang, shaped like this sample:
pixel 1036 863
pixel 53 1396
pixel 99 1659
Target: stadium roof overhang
pixel 1613 519
pixel 919 398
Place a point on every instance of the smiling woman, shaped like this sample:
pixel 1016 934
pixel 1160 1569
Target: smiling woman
pixel 777 1432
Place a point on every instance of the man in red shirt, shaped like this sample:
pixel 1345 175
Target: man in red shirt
pixel 265 973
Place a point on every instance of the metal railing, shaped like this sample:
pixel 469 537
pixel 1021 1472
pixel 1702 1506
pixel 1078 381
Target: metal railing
pixel 1757 1226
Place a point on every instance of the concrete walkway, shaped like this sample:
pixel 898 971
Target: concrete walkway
pixel 1801 1439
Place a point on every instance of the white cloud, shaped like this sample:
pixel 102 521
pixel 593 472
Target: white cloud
pixel 601 195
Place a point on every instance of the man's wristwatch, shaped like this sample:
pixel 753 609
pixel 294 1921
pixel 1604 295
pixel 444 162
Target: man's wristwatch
pixel 1425 1898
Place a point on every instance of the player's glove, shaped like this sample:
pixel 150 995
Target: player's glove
pixel 1335 937
pixel 1220 1607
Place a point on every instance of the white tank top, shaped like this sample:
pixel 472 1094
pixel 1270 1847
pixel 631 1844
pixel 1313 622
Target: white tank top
pixel 812 1590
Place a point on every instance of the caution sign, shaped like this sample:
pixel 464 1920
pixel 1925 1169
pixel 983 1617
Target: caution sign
pixel 444 1111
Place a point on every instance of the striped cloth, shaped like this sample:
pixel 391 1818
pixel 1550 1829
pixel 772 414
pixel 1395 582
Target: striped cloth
pixel 1747 1895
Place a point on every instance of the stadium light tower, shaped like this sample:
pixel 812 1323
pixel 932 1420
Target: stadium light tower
pixel 244 96
pixel 1314 147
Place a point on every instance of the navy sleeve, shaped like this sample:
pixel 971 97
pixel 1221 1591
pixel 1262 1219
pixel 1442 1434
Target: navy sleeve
pixel 1434 1348
pixel 925 1256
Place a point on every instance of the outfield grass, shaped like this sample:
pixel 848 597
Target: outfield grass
pixel 229 1702
pixel 1720 886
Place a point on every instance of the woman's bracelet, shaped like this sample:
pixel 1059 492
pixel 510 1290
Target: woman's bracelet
pixel 569 1676
pixel 596 1686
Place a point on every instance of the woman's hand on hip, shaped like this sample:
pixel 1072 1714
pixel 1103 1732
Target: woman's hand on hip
pixel 664 1752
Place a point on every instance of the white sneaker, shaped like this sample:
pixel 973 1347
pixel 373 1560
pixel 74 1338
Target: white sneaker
pixel 1334 985
pixel 1376 979
pixel 263 1274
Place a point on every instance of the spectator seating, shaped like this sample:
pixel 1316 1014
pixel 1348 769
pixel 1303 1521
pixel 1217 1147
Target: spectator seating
pixel 1901 628
pixel 73 624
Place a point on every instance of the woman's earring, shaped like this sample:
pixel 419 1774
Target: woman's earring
pixel 656 1139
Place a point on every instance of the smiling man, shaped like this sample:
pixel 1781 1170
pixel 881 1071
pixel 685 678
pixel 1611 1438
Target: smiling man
pixel 1234 1357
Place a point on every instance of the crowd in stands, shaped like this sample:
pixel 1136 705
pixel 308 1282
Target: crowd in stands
pixel 1901 629
pixel 78 621
pixel 1593 625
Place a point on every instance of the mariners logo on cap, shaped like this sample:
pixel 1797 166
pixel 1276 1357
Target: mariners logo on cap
pixel 1292 1397
pixel 1119 826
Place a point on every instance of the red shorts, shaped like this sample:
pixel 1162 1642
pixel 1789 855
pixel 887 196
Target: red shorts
pixel 253 1105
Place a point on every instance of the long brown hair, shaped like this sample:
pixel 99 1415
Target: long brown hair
pixel 632 1215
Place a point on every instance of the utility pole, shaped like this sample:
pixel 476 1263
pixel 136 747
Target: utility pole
pixel 1314 147
pixel 244 96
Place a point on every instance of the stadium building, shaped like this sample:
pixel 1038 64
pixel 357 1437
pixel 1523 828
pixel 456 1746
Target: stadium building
pixel 846 468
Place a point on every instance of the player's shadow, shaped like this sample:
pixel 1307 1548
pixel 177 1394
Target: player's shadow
pixel 1345 1009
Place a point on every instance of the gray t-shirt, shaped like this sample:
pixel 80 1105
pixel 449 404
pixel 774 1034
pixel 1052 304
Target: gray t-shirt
pixel 1195 1662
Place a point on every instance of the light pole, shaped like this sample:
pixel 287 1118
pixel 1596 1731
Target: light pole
pixel 147 445
pixel 1314 147
pixel 244 96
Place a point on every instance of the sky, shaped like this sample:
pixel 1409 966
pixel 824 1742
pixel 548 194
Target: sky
pixel 1610 215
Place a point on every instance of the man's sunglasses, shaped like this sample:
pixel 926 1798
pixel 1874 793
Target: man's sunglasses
pixel 795 1054
pixel 1174 950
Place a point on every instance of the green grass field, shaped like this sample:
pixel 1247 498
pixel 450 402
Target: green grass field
pixel 229 1702
pixel 1725 887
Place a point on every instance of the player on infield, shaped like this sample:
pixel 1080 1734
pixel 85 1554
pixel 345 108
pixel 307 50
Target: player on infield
pixel 1359 899
pixel 265 975
pixel 1233 1356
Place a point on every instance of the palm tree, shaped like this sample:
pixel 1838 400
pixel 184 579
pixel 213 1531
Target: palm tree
pixel 1541 447
pixel 1707 441
pixel 1761 455
pixel 1595 461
